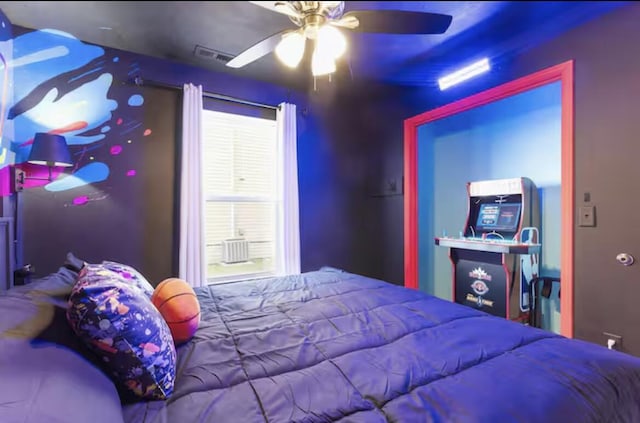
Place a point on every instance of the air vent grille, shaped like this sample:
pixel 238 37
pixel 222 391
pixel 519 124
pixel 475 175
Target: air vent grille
pixel 210 54
pixel 224 57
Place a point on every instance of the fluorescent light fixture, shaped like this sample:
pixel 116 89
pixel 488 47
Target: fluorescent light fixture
pixel 463 74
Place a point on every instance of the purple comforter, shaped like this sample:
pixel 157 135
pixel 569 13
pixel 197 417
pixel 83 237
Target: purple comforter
pixel 333 346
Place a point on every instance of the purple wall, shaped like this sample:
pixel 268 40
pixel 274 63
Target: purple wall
pixel 119 202
pixel 124 141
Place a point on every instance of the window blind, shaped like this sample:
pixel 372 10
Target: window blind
pixel 239 155
pixel 240 187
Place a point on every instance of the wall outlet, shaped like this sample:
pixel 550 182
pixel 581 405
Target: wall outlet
pixel 587 216
pixel 612 341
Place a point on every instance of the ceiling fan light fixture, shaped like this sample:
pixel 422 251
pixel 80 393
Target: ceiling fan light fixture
pixel 331 41
pixel 322 64
pixel 322 23
pixel 291 49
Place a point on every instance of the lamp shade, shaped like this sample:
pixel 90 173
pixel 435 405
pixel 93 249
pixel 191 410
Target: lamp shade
pixel 50 150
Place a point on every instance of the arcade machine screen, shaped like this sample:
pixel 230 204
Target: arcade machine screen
pixel 498 217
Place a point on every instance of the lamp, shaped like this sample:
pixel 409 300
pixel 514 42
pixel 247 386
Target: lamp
pixel 322 64
pixel 291 49
pixel 330 44
pixel 49 150
pixel 330 41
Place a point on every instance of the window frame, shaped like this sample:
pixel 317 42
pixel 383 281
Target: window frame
pixel 273 200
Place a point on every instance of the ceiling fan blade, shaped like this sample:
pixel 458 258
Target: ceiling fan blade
pixel 400 22
pixel 349 22
pixel 257 51
pixel 283 7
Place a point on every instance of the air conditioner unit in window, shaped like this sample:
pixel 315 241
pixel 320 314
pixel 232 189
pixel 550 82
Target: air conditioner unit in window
pixel 235 250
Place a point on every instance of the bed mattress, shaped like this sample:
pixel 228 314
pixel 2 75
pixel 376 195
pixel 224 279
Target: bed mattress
pixel 333 346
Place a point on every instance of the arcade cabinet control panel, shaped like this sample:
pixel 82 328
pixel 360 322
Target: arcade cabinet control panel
pixel 506 246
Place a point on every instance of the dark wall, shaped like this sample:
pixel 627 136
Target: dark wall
pixel 353 222
pixel 607 106
pixel 131 218
pixel 117 202
pixel 126 218
pixel 350 217
pixel 607 101
pixel 331 192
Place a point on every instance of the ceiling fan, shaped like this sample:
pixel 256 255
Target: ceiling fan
pixel 322 23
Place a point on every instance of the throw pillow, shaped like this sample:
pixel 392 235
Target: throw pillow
pixel 118 323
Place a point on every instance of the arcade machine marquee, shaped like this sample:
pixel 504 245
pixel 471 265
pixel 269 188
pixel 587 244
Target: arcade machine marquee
pixel 496 256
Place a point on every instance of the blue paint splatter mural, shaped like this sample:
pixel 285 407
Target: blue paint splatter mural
pixel 136 100
pixel 65 86
pixel 118 200
pixel 91 173
pixel 6 55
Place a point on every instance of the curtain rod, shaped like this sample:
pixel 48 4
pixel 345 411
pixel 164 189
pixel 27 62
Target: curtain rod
pixel 144 82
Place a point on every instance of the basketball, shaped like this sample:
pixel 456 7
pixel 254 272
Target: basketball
pixel 176 301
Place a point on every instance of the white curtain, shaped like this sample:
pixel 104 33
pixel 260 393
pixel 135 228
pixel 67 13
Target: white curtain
pixel 192 241
pixel 288 216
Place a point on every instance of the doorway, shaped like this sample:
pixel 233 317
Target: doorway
pixel 555 81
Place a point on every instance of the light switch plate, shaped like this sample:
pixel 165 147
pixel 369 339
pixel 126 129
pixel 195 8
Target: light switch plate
pixel 388 186
pixel 587 216
pixel 392 186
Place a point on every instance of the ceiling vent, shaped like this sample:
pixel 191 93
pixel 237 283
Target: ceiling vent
pixel 210 54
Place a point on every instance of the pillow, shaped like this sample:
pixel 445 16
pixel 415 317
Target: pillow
pixel 118 323
pixel 73 263
pixel 46 372
pixel 131 275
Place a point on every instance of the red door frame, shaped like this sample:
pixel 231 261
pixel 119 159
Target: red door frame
pixel 563 73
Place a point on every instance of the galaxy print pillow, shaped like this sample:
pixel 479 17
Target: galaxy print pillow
pixel 118 323
pixel 130 274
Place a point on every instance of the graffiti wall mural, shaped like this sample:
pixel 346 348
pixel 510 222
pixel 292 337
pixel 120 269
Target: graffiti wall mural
pixel 6 87
pixel 116 201
pixel 64 86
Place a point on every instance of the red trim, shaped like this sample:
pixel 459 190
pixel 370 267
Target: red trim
pixel 410 206
pixel 562 72
pixel 567 201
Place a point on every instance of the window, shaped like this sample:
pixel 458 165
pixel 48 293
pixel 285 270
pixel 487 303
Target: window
pixel 240 193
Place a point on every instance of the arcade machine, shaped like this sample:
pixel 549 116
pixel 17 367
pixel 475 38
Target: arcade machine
pixel 496 256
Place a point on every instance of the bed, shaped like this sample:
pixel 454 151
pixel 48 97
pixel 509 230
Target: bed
pixel 322 346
